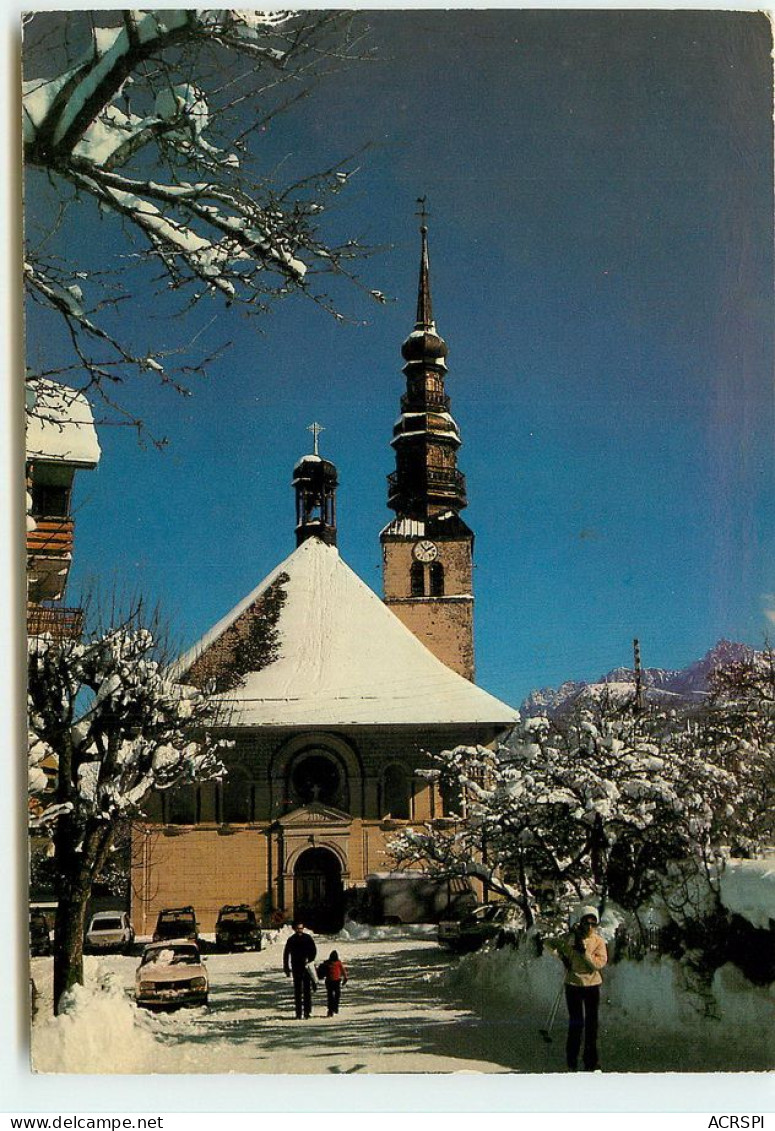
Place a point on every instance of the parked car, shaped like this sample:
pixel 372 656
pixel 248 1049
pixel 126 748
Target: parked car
pixel 40 937
pixel 109 931
pixel 237 928
pixel 413 897
pixel 502 922
pixel 171 974
pixel 176 923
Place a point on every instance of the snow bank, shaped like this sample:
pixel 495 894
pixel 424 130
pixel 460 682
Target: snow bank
pixel 748 889
pixel 365 932
pixel 101 1031
pixel 653 1012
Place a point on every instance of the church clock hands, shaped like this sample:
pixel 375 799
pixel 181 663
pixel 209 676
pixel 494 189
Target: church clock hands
pixel 425 551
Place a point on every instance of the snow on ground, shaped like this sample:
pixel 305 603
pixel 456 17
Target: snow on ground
pixel 409 1007
pixel 364 932
pixel 393 1019
pixel 652 1018
pixel 748 889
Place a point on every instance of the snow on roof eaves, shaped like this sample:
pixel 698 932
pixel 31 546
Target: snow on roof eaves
pixel 60 426
pixel 413 527
pixel 345 658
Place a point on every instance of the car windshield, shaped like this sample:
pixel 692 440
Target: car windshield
pixel 171 956
pixel 106 925
pixel 236 917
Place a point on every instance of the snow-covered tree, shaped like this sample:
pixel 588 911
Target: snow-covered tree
pixel 110 725
pixel 152 118
pixel 599 806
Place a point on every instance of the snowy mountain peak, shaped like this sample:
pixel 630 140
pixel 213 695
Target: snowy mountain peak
pixel 688 684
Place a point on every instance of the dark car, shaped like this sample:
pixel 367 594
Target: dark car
pixel 176 923
pixel 40 939
pixel 237 928
pixel 501 922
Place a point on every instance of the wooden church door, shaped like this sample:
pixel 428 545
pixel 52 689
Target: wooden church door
pixel 318 894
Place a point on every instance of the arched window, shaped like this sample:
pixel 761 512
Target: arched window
pixel 437 579
pixel 396 793
pixel 417 579
pixel 236 795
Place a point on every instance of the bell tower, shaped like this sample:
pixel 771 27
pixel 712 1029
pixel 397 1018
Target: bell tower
pixel 315 481
pixel 427 549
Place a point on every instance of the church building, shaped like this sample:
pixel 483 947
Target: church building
pixel 332 696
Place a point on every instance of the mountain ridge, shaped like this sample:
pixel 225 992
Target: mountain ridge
pixel 684 685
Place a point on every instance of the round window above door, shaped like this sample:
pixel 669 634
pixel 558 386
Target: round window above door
pixel 316 777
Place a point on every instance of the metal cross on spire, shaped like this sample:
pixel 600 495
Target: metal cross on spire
pixel 424 305
pixel 315 429
pixel 423 211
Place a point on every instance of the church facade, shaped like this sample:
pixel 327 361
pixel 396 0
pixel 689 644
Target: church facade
pixel 331 696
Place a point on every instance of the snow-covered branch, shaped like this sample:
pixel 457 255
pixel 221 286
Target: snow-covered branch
pixel 149 121
pixel 105 715
pixel 107 725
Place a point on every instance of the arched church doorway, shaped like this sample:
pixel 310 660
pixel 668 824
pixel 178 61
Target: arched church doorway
pixel 318 892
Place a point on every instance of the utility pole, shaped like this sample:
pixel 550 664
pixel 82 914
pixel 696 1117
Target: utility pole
pixel 638 676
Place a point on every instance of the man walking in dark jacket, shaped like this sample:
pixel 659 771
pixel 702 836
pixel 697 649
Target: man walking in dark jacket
pixel 299 950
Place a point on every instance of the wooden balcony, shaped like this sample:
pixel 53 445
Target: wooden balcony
pixel 435 481
pixel 58 622
pixel 52 536
pixel 425 401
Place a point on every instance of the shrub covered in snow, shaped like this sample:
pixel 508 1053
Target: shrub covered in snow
pixel 621 805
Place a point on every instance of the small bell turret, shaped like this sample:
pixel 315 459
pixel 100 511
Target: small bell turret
pixel 315 481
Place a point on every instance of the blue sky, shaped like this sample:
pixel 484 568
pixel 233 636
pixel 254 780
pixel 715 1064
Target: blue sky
pixel 600 188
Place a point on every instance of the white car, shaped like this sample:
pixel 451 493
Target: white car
pixel 171 973
pixel 109 930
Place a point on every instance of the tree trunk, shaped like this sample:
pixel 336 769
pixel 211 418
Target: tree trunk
pixel 79 859
pixel 523 887
pixel 69 927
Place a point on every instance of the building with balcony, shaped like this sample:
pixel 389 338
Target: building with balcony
pixel 61 440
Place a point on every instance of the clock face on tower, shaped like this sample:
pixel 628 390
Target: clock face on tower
pixel 425 551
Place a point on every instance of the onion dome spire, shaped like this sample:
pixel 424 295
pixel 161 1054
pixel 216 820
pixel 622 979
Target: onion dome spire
pixel 424 344
pixel 426 438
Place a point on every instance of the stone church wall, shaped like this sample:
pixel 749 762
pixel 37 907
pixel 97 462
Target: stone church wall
pixel 206 868
pixel 445 626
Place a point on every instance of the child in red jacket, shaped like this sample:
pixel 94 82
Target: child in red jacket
pixel 336 977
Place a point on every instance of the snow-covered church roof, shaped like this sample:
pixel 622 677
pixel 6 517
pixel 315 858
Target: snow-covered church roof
pixel 344 658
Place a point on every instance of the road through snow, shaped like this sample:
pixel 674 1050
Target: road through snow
pixel 396 1016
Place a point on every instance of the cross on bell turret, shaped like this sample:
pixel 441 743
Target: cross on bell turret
pixel 315 481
